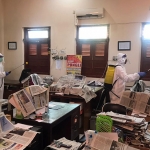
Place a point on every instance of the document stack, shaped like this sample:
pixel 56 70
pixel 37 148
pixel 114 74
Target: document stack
pixel 104 141
pixel 14 137
pixel 133 128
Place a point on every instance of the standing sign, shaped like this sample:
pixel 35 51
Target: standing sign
pixel 74 64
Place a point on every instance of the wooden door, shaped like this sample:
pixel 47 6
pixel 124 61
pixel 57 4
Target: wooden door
pixel 145 58
pixel 37 56
pixel 94 57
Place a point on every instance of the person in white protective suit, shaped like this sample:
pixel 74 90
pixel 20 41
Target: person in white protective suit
pixel 2 75
pixel 122 78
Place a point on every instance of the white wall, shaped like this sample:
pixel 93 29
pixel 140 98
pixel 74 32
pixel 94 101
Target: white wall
pixel 124 16
pixel 1 28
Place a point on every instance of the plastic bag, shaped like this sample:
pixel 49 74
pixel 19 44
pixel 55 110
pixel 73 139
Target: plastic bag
pixel 139 86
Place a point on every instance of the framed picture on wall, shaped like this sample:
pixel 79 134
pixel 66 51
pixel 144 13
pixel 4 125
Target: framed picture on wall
pixel 124 45
pixel 12 45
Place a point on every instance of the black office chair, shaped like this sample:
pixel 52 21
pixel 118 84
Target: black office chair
pixel 24 74
pixel 116 108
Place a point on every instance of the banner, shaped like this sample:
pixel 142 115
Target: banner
pixel 74 64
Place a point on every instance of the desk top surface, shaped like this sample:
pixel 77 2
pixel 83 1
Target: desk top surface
pixel 56 114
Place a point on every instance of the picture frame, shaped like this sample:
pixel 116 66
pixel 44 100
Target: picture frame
pixel 12 45
pixel 124 45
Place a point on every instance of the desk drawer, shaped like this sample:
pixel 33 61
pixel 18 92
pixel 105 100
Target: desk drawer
pixel 75 124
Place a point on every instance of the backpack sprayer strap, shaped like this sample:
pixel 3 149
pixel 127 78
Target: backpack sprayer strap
pixel 115 94
pixel 2 82
pixel 113 85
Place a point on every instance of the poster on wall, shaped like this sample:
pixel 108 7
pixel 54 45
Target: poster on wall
pixel 74 64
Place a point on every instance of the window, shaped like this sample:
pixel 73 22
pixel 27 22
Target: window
pixel 92 44
pixel 37 34
pixel 146 31
pixel 94 32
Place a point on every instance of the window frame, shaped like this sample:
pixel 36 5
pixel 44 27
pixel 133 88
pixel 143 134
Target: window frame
pixel 26 36
pixel 77 32
pixel 143 24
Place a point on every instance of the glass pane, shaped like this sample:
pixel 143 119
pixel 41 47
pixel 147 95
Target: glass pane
pixel 146 31
pixel 44 49
pixel 148 50
pixel 33 49
pixel 100 49
pixel 93 32
pixel 38 34
pixel 85 49
pixel 148 53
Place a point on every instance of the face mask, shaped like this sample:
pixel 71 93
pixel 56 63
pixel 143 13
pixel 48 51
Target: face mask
pixel 1 59
pixel 126 61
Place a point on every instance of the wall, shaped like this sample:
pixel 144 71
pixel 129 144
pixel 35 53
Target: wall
pixel 124 16
pixel 1 28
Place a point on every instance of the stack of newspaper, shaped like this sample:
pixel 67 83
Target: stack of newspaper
pixel 104 141
pixel 131 126
pixel 73 84
pixel 63 144
pixel 12 137
pixel 30 99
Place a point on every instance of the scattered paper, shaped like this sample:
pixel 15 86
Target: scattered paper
pixel 23 126
pixel 58 64
pixel 5 124
pixel 30 99
pixel 40 111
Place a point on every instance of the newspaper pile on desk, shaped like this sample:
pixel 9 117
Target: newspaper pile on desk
pixel 104 141
pixel 30 99
pixel 132 127
pixel 58 144
pixel 73 84
pixel 17 139
pixel 12 138
pixel 139 102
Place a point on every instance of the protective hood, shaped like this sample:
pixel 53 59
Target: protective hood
pixel 1 55
pixel 121 58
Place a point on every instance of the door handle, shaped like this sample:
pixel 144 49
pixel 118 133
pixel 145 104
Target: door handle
pixel 26 63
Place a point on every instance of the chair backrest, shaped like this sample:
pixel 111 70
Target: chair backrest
pixel 24 74
pixel 116 108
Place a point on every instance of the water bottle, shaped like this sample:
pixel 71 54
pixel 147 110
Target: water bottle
pixel 46 114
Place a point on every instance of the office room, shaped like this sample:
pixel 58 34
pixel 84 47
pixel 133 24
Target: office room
pixel 124 20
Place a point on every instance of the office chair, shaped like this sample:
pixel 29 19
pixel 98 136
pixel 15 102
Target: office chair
pixel 116 108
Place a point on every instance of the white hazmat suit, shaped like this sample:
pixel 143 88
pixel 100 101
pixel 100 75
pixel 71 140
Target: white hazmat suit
pixel 123 77
pixel 2 75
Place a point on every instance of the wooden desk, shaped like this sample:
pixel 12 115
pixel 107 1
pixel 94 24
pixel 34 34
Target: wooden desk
pixel 10 87
pixel 87 107
pixel 63 122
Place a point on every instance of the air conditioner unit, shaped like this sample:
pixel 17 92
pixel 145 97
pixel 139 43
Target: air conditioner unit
pixel 89 13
